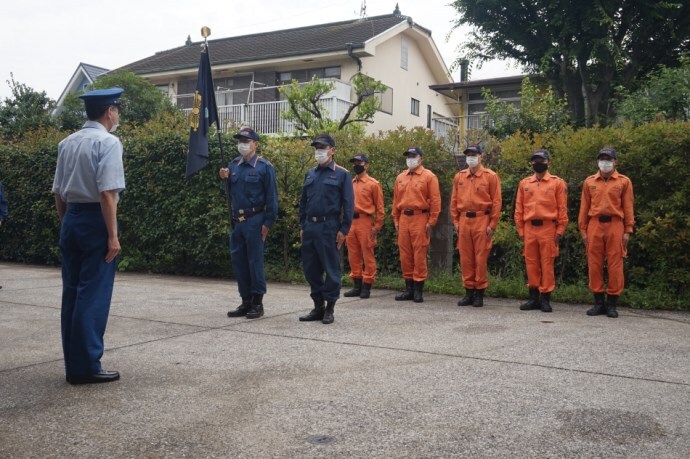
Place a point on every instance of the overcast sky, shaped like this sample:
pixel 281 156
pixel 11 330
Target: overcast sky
pixel 43 41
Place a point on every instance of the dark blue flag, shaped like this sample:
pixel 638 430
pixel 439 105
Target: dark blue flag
pixel 204 113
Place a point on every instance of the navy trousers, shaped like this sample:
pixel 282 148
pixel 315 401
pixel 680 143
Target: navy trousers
pixel 247 254
pixel 87 287
pixel 320 256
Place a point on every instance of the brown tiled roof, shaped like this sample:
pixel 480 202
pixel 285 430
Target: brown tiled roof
pixel 316 39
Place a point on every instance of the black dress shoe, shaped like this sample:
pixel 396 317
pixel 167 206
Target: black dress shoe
pixel 102 377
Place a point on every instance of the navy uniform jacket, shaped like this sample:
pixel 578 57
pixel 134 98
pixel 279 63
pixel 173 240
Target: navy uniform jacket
pixel 327 192
pixel 252 185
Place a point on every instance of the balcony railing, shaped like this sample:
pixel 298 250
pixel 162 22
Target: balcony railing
pixel 265 115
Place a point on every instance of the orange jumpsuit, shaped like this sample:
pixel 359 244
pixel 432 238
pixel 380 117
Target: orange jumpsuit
pixel 541 212
pixel 475 205
pixel 416 203
pixel 368 214
pixel 606 212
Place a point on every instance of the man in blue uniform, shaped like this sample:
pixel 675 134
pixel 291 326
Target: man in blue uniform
pixel 88 179
pixel 325 215
pixel 251 182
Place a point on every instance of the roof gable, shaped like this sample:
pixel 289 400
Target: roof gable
pixel 315 39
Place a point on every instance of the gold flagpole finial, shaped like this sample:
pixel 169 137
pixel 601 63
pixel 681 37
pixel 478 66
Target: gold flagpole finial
pixel 205 32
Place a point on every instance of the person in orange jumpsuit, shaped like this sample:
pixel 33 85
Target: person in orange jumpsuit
pixel 367 221
pixel 541 215
pixel 475 206
pixel 606 221
pixel 416 206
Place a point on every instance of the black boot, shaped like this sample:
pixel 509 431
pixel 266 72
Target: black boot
pixel 408 294
pixel 317 312
pixel 257 309
pixel 468 299
pixel 478 298
pixel 356 290
pixel 242 309
pixel 599 308
pixel 611 306
pixel 418 292
pixel 328 314
pixel 545 302
pixel 366 291
pixel 533 302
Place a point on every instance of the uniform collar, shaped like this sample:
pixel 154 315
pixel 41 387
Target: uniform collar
pixel 480 171
pixel 546 177
pixel 252 162
pixel 94 125
pixel 614 175
pixel 417 171
pixel 330 166
pixel 363 178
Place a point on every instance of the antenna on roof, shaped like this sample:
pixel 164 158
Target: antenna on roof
pixel 363 10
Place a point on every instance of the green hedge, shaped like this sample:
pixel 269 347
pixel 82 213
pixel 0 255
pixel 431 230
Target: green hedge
pixel 171 225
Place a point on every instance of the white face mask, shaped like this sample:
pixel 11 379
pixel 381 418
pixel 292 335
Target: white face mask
pixel 412 162
pixel 113 128
pixel 244 148
pixel 472 161
pixel 605 166
pixel 321 156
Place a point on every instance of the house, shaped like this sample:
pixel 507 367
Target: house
pixel 249 69
pixel 471 105
pixel 84 76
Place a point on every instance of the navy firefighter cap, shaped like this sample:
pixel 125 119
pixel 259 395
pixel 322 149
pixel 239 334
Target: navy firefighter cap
pixel 607 151
pixel 102 97
pixel 247 133
pixel 413 151
pixel 476 149
pixel 540 154
pixel 323 139
pixel 359 157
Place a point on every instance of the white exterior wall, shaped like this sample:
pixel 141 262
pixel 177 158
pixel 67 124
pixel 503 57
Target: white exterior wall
pixel 407 84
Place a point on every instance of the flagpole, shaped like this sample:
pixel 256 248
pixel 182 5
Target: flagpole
pixel 206 32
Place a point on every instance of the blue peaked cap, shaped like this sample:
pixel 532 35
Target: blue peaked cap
pixel 102 97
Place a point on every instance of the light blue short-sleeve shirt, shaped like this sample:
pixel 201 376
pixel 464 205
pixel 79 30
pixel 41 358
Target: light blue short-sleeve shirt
pixel 89 162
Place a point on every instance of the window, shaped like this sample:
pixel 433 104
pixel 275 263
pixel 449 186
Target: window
pixel 331 72
pixel 415 107
pixel 403 53
pixel 428 116
pixel 305 75
pixel 386 99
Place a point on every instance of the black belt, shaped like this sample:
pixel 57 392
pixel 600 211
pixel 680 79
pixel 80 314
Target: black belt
pixel 539 222
pixel 84 206
pixel 415 211
pixel 356 215
pixel 250 210
pixel 322 218
pixel 472 214
pixel 605 218
pixel 244 214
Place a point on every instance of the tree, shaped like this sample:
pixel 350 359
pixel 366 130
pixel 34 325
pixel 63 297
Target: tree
pixel 27 109
pixel 141 100
pixel 71 115
pixel 310 115
pixel 584 48
pixel 540 111
pixel 665 94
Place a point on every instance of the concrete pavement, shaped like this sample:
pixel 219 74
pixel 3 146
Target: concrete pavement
pixel 387 379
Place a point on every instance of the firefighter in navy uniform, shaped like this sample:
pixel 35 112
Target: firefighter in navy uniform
pixel 251 182
pixel 325 215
